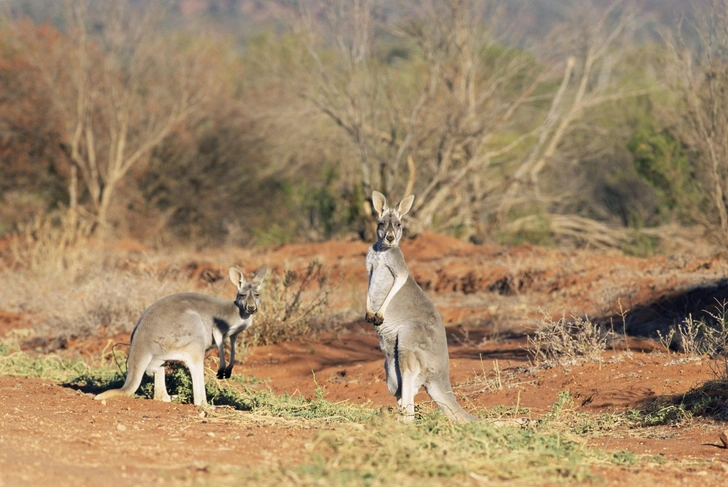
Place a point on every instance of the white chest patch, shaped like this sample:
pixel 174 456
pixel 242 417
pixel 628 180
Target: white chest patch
pixel 383 268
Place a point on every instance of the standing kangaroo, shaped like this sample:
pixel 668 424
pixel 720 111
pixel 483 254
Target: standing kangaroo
pixel 183 327
pixel 411 332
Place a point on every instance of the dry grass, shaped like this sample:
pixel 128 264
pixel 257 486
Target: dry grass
pixel 707 337
pixel 75 287
pixel 568 342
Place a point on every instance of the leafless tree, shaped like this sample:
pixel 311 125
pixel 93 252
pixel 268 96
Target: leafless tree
pixel 120 86
pixel 699 75
pixel 466 133
pixel 434 132
pixel 591 43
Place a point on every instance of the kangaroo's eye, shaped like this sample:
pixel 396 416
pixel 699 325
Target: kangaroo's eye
pixel 397 224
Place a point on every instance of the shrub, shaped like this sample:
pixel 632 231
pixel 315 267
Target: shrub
pixel 292 302
pixel 565 342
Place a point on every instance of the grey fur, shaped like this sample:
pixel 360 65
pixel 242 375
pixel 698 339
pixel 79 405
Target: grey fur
pixel 411 331
pixel 183 327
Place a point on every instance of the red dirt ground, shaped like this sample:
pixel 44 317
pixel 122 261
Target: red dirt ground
pixel 488 296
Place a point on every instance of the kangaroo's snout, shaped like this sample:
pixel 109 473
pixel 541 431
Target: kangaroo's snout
pixel 390 237
pixel 246 305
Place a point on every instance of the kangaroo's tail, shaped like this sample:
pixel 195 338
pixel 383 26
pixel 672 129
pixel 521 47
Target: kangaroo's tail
pixel 111 393
pixel 136 365
pixel 443 396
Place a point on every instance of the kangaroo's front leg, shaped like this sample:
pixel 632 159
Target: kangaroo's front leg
pixel 398 283
pixel 370 313
pixel 219 340
pixel 228 371
pixel 369 316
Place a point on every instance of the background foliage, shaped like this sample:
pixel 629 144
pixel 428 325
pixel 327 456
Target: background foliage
pixel 561 123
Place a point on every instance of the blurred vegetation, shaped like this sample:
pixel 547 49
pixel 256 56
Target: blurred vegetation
pixel 301 119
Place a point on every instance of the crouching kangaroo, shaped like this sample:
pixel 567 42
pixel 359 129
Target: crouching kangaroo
pixel 411 332
pixel 183 327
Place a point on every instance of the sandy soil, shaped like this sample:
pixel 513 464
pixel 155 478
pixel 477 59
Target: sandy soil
pixel 488 296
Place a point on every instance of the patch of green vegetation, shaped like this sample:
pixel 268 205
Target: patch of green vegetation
pixel 535 229
pixel 641 245
pixel 707 400
pixel 434 451
pixel 15 363
pixel 661 162
pixel 623 457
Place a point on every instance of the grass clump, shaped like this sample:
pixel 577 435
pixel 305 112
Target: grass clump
pixel 706 400
pixel 707 336
pixel 568 342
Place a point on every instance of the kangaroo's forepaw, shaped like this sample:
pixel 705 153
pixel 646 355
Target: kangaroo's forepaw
pixel 228 373
pixel 378 319
pixel 369 317
pixel 221 374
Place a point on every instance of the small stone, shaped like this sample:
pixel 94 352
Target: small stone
pixel 121 427
pixel 211 434
pixel 103 402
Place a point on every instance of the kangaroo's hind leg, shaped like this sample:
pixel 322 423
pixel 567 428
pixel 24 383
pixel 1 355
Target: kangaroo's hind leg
pixel 196 365
pixel 156 367
pixel 391 367
pixel 410 383
pixel 394 379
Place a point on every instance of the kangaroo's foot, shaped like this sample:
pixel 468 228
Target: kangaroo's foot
pixel 162 396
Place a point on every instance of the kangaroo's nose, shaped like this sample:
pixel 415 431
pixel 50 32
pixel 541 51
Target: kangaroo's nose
pixel 390 237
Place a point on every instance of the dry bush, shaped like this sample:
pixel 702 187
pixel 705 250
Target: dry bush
pixel 564 342
pixel 74 287
pixel 707 337
pixel 290 305
pixel 703 337
pixel 51 244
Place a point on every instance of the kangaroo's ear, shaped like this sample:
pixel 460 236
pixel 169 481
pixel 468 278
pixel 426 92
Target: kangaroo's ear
pixel 379 202
pixel 236 277
pixel 260 275
pixel 405 205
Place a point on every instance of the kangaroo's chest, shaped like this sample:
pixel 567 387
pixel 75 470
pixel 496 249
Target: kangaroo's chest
pixel 227 328
pixel 380 266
